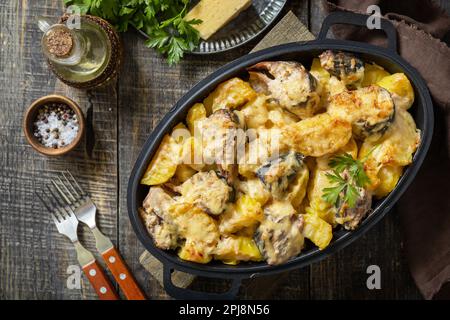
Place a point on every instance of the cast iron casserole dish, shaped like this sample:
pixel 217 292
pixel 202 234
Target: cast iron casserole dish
pixel 422 111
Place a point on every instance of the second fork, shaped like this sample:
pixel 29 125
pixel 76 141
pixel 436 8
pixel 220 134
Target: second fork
pixel 85 210
pixel 67 224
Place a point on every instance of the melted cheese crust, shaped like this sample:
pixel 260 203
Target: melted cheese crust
pixel 370 109
pixel 394 148
pixel 319 135
pixel 207 191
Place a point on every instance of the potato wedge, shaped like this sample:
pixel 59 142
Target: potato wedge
pixel 198 229
pixel 323 79
pixel 231 94
pixel 164 163
pixel 322 75
pixel 351 148
pixel 278 118
pixel 192 154
pixel 317 205
pixel 400 88
pixel 180 133
pixel 256 112
pixel 191 252
pixel 317 230
pixel 389 176
pixel 395 148
pixel 232 249
pixel 196 112
pixel 372 74
pixel 184 172
pixel 318 136
pixel 246 212
pixel 297 189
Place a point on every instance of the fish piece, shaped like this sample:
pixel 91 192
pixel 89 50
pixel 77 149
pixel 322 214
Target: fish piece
pixel 279 236
pixel 277 173
pixel 164 235
pixel 157 219
pixel 343 65
pixel 158 201
pixel 207 191
pixel 255 189
pixel 350 218
pixel 370 110
pixel 289 84
pixel 218 135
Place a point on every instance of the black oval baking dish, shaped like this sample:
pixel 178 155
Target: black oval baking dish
pixel 388 58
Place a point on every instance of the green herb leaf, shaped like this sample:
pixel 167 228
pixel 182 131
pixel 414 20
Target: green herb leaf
pixel 177 47
pixel 347 178
pixel 162 20
pixel 332 195
pixel 158 40
pixel 351 195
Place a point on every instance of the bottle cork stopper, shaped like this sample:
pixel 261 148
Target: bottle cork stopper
pixel 59 42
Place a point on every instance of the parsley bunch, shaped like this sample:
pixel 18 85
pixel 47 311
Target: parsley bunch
pixel 346 185
pixel 161 20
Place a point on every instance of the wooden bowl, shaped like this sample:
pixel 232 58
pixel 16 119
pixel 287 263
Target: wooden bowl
pixel 30 116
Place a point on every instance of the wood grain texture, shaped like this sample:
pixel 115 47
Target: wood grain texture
pixel 34 258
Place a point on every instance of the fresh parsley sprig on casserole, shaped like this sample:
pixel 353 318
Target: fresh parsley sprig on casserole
pixel 347 177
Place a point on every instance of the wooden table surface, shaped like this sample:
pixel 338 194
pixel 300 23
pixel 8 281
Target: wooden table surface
pixel 34 258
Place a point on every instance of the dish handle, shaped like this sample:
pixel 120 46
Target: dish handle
pixel 358 20
pixel 188 294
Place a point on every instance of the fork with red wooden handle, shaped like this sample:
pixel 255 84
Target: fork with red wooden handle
pixel 67 224
pixel 85 211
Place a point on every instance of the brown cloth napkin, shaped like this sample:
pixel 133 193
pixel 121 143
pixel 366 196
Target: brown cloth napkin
pixel 424 209
pixel 289 29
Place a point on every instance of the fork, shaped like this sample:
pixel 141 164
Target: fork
pixel 67 224
pixel 85 211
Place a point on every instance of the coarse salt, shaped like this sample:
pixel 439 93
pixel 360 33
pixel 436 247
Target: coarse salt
pixel 56 127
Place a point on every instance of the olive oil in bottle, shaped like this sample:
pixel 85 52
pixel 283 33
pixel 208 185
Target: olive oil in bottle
pixel 77 56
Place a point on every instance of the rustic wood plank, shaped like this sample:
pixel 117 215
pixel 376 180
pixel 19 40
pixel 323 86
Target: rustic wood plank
pixel 33 257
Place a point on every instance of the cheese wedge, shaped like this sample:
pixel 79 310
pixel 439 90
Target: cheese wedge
pixel 215 14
